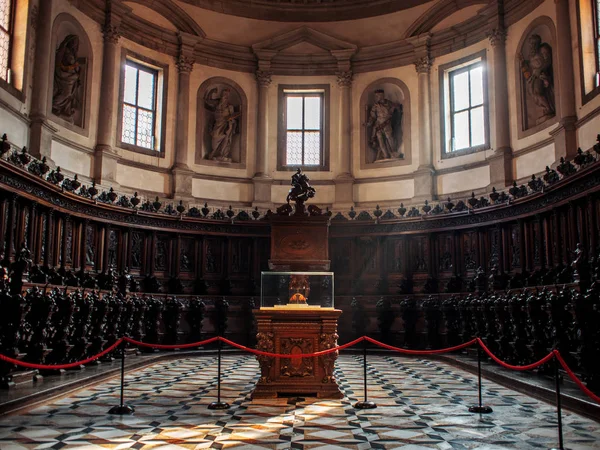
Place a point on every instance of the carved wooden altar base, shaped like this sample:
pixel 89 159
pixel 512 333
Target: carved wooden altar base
pixel 294 330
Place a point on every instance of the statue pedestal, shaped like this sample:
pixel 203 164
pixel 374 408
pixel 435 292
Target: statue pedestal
pixel 293 330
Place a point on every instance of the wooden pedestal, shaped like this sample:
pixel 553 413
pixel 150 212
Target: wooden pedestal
pixel 295 330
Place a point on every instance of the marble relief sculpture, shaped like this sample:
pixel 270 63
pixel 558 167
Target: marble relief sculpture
pixel 384 126
pixel 67 92
pixel 536 67
pixel 225 124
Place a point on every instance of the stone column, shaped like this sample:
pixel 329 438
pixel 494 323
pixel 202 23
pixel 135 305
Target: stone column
pixel 425 174
pixel 501 163
pixel 262 180
pixel 105 155
pixel 565 136
pixel 40 139
pixel 344 181
pixel 180 172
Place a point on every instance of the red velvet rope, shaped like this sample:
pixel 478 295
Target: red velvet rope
pixel 61 366
pixel 287 355
pixel 171 347
pixel 573 377
pixel 544 360
pixel 420 352
pixel 554 353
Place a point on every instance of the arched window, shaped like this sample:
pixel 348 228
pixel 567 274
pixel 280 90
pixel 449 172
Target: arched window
pixel 7 20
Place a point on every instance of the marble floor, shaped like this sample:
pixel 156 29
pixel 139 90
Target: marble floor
pixel 422 404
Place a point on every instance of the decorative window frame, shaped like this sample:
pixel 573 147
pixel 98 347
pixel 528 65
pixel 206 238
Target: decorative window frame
pixel 406 124
pixel 61 22
pixel 587 94
pixel 19 43
pixel 281 127
pixel 445 95
pixel 161 102
pixel 199 150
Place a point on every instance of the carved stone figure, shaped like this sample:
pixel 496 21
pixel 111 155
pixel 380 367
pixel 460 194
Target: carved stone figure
pixel 66 95
pixel 385 122
pixel 225 124
pixel 539 80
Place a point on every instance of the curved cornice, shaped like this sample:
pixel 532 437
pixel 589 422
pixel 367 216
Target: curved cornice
pixel 306 10
pixel 439 12
pixel 241 58
pixel 175 14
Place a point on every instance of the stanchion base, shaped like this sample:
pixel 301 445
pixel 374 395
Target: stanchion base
pixel 121 410
pixel 365 405
pixel 218 405
pixel 481 409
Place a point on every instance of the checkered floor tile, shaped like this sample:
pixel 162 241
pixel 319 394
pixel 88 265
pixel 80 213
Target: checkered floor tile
pixel 421 405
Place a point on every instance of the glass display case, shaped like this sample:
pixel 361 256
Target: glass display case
pixel 295 290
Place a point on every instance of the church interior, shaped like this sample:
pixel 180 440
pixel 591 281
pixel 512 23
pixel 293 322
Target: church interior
pixel 299 224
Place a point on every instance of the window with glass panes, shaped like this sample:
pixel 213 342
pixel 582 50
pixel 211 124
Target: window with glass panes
pixel 7 11
pixel 303 129
pixel 467 120
pixel 139 106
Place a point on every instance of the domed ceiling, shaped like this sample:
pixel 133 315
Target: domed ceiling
pixel 306 10
pixel 308 37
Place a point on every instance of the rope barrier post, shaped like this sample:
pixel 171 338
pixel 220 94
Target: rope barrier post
pixel 558 407
pixel 219 404
pixel 365 404
pixel 480 408
pixel 122 409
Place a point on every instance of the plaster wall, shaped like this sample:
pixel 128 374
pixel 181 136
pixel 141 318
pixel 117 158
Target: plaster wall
pixel 136 178
pixel 389 191
pixel 464 180
pixel 587 133
pixel 16 129
pixel 222 190
pixel 71 159
pixel 534 162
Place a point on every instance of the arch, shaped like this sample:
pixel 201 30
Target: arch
pixel 543 26
pixel 175 14
pixel 437 13
pixel 65 25
pixel 238 146
pixel 397 91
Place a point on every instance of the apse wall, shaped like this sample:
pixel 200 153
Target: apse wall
pixel 442 38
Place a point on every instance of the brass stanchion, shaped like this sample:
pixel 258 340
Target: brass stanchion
pixel 558 407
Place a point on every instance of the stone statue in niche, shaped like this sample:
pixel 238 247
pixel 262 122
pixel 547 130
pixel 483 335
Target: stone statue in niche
pixel 225 124
pixel 67 93
pixel 385 126
pixel 538 96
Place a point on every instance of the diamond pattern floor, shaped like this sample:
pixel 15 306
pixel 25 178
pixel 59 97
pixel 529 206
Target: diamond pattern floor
pixel 421 405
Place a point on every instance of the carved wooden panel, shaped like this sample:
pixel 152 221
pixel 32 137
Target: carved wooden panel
pixel 495 247
pixel 446 253
pixel 420 254
pixel 368 255
pixel 240 255
pixel 395 255
pixel 213 256
pixel 90 245
pixel 470 249
pixel 113 247
pixel 137 250
pixel 162 253
pixel 187 255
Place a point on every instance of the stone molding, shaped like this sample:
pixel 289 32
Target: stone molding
pixel 244 59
